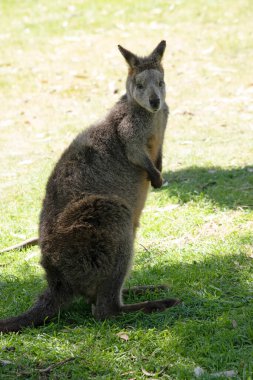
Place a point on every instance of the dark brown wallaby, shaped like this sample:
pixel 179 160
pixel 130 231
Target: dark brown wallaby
pixel 94 198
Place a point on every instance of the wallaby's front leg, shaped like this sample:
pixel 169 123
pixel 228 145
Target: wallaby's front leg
pixel 141 158
pixel 153 173
pixel 158 162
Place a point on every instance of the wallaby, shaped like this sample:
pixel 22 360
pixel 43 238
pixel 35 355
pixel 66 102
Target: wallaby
pixel 94 198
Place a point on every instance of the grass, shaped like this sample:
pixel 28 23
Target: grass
pixel 60 71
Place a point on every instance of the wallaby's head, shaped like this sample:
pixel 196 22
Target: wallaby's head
pixel 145 82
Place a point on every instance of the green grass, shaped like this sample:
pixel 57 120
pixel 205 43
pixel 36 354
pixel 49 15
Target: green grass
pixel 60 71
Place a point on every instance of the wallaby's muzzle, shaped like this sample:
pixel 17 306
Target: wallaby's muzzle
pixel 154 103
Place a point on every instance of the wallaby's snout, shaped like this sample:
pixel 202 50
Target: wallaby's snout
pixel 154 102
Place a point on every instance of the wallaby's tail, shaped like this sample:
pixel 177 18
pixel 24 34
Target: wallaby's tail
pixel 45 308
pixel 25 244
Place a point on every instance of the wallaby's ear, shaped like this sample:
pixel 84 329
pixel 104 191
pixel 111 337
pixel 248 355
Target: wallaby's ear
pixel 157 53
pixel 131 58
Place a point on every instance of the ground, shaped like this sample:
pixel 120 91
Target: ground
pixel 60 70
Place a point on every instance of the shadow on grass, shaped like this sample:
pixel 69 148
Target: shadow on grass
pixel 226 188
pixel 215 292
pixel 213 324
pixel 206 288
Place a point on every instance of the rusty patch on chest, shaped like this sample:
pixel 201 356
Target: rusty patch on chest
pixel 153 146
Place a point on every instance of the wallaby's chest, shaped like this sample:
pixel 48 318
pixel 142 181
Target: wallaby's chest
pixel 154 144
pixel 155 138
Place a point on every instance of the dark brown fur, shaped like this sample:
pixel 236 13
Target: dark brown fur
pixel 94 198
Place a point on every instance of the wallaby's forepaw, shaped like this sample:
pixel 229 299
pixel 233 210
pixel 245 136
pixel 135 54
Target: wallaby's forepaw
pixel 160 305
pixel 157 182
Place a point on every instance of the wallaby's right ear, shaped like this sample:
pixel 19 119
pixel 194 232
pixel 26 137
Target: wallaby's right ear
pixel 131 58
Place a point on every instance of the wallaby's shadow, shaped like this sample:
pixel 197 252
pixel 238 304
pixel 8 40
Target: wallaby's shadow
pixel 226 188
pixel 210 290
pixel 207 289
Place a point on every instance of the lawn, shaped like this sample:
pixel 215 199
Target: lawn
pixel 60 70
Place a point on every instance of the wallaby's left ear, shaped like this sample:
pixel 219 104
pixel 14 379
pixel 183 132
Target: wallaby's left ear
pixel 157 53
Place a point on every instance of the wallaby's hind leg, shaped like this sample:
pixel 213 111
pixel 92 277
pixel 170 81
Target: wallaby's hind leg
pixel 108 296
pixel 142 289
pixel 150 306
pixel 108 302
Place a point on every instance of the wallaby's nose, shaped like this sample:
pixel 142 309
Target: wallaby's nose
pixel 154 102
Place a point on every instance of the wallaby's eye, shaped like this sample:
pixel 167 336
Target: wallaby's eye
pixel 161 83
pixel 139 86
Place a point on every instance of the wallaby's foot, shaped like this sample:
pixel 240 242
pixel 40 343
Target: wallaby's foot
pixel 100 313
pixel 150 306
pixel 160 305
pixel 146 307
pixel 157 181
pixel 142 289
